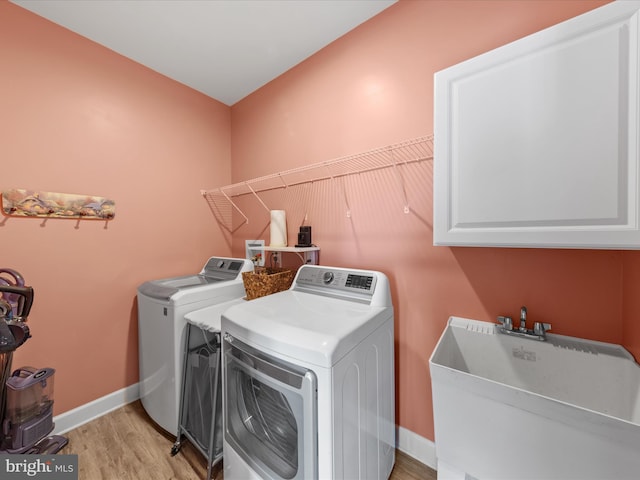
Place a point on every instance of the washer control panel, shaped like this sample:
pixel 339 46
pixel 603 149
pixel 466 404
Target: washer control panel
pixel 218 269
pixel 215 264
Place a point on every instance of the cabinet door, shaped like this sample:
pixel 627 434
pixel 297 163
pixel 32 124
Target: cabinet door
pixel 536 142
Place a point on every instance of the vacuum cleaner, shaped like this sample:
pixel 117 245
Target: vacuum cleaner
pixel 26 394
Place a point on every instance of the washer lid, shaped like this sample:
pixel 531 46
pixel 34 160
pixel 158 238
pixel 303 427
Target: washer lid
pixel 304 326
pixel 166 288
pixel 216 270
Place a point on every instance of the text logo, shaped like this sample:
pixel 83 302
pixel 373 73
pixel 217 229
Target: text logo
pixel 50 467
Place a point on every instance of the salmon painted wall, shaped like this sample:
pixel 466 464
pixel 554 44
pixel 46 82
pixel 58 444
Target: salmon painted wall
pixel 78 118
pixel 631 302
pixel 374 87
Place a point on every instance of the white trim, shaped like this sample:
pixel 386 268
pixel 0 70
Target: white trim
pixel 418 447
pixel 94 409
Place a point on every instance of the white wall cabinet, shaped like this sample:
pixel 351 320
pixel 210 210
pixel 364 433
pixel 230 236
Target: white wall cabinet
pixel 536 143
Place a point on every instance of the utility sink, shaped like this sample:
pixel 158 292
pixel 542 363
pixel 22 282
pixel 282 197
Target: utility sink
pixel 507 407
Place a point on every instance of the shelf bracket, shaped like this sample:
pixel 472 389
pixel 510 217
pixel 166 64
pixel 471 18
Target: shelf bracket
pixel 342 188
pixel 258 197
pixel 346 200
pixel 403 190
pixel 282 180
pixel 219 204
pixel 246 220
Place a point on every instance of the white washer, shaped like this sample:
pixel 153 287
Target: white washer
pixel 308 380
pixel 162 305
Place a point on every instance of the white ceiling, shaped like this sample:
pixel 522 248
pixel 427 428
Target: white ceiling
pixel 225 49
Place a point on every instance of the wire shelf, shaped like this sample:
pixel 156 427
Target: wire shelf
pixel 392 156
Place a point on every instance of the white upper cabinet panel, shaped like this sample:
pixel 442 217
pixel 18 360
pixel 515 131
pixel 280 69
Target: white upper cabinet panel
pixel 536 142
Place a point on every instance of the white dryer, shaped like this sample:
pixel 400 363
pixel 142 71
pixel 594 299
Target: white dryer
pixel 162 305
pixel 308 380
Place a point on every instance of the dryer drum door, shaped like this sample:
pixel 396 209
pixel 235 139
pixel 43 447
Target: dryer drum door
pixel 270 412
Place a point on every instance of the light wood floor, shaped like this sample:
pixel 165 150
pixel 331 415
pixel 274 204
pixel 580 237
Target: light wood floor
pixel 126 445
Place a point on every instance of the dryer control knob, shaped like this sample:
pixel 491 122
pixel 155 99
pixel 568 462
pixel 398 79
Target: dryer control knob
pixel 327 277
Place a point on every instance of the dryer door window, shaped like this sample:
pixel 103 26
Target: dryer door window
pixel 270 412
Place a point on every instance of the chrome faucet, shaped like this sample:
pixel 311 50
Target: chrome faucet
pixel 523 319
pixel 538 332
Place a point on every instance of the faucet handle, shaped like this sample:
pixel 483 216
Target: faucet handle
pixel 541 328
pixel 507 322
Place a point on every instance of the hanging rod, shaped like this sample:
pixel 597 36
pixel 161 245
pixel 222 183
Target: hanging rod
pixel 410 151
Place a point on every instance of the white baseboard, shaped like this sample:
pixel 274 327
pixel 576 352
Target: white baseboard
pixel 92 410
pixel 412 444
pixel 417 447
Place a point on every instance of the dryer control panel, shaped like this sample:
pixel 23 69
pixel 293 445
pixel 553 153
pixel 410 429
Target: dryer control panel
pixel 356 285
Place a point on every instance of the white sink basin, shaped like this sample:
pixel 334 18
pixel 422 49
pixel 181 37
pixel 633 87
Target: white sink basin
pixel 516 408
